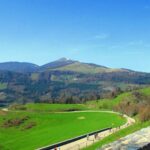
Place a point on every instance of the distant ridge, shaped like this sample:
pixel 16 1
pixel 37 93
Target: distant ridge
pixel 62 64
pixel 22 67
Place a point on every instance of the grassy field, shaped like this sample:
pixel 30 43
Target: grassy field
pixel 55 107
pixel 49 127
pixel 106 104
pixel 3 86
pixel 34 76
pixel 46 124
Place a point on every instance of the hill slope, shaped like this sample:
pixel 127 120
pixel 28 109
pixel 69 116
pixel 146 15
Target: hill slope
pixel 135 103
pixel 86 68
pixel 18 67
pixel 64 81
pixel 64 64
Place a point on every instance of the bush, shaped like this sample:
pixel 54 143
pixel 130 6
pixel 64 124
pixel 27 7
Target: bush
pixel 17 107
pixel 128 108
pixel 145 114
pixel 29 125
pixel 15 122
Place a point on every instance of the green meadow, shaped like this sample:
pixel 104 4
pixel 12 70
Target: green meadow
pixel 32 126
pixel 3 86
pixel 49 127
pixel 107 104
pixel 55 107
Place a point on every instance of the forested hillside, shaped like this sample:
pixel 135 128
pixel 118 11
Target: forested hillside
pixel 66 81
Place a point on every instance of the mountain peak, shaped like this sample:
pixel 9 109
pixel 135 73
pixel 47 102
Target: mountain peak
pixel 57 63
pixel 63 59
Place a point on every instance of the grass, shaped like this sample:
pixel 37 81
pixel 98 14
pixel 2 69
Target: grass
pixel 52 127
pixel 107 104
pixel 145 91
pixel 85 68
pixel 34 76
pixel 55 107
pixel 3 86
pixel 118 135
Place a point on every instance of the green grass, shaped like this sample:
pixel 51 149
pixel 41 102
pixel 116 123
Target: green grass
pixel 107 104
pixel 118 135
pixel 55 107
pixel 85 68
pixel 145 91
pixel 3 86
pixel 34 76
pixel 52 128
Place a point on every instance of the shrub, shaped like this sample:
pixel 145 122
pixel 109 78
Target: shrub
pixel 15 122
pixel 145 114
pixel 17 107
pixel 3 112
pixel 29 125
pixel 128 108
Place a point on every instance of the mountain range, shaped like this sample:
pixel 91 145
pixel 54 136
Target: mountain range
pixel 64 81
pixel 62 64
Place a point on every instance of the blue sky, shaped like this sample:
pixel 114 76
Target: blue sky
pixel 113 33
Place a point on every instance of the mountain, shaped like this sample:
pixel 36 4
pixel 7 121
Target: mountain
pixel 56 64
pixel 64 64
pixel 18 67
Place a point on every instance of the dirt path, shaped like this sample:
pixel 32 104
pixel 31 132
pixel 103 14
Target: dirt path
pixel 82 143
pixel 5 109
